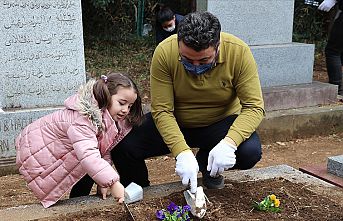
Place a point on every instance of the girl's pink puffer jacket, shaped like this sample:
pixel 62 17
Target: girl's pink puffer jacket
pixel 57 150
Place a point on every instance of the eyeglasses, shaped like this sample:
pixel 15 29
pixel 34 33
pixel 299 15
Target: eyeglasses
pixel 205 60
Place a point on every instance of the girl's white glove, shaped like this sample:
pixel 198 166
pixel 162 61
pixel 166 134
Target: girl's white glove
pixel 187 168
pixel 326 5
pixel 221 157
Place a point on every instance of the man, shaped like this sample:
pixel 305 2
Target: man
pixel 334 47
pixel 206 94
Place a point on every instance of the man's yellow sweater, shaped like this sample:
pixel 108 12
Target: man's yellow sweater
pixel 182 99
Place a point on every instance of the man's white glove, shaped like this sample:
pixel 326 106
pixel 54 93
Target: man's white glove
pixel 221 157
pixel 187 168
pixel 326 5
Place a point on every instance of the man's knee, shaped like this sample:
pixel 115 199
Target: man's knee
pixel 249 153
pixel 248 159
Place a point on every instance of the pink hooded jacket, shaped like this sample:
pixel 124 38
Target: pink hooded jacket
pixel 57 150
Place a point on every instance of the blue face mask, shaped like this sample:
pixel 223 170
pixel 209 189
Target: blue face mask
pixel 196 69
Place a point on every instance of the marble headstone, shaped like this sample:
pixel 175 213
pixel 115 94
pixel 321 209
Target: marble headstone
pixel 42 61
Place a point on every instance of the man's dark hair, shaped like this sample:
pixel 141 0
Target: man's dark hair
pixel 199 30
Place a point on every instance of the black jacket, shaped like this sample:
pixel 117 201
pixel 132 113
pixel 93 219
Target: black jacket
pixel 161 34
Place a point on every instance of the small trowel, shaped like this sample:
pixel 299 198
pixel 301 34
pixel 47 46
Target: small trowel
pixel 132 218
pixel 133 193
pixel 197 201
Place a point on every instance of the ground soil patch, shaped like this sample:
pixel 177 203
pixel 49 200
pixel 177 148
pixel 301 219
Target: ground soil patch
pixel 234 202
pixel 296 153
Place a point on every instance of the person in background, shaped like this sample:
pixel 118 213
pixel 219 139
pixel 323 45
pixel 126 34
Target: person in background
pixel 205 94
pixel 166 23
pixel 57 150
pixel 334 47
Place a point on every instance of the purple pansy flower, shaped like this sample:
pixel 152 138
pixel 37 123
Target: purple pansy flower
pixel 160 214
pixel 187 208
pixel 172 207
pixel 174 212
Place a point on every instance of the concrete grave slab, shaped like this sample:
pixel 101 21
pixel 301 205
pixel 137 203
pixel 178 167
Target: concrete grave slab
pixel 90 202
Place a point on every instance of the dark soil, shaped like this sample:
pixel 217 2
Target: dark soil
pixel 234 202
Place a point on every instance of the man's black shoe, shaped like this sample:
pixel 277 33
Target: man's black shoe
pixel 212 182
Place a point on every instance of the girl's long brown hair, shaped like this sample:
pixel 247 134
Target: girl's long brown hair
pixel 104 89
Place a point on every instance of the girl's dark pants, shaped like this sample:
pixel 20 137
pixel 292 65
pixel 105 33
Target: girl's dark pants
pixel 83 187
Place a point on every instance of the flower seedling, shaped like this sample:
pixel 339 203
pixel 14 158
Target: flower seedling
pixel 269 204
pixel 174 213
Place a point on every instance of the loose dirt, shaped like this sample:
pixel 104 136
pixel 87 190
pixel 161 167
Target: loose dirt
pixel 234 202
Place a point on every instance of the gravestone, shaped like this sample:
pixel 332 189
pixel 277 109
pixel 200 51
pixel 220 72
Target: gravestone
pixel 335 165
pixel 267 27
pixel 42 62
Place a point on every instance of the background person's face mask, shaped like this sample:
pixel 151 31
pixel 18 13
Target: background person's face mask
pixel 170 29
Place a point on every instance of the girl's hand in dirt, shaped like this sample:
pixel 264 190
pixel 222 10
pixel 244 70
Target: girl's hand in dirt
pixel 117 191
pixel 103 191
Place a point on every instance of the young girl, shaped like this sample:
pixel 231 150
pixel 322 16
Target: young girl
pixel 57 150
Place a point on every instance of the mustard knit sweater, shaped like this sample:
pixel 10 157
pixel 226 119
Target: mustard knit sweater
pixel 181 99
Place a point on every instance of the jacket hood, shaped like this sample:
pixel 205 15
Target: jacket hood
pixel 85 103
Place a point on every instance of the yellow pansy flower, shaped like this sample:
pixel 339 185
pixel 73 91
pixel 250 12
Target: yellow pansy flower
pixel 277 202
pixel 272 197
